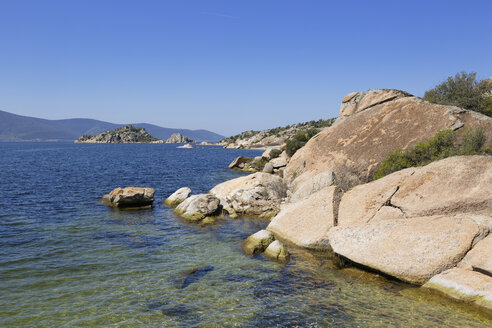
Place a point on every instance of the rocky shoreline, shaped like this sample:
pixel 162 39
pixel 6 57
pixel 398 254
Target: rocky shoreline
pixel 429 226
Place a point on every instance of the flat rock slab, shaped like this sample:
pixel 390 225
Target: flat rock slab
pixel 412 250
pixel 306 222
pixel 464 285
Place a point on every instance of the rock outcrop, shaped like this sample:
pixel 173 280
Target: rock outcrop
pixel 412 224
pixel 130 197
pixel 178 138
pixel 372 125
pixel 127 134
pixel 198 207
pixel 258 194
pixel 178 197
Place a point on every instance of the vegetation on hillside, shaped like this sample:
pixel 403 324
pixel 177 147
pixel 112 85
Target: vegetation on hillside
pixel 299 140
pixel 465 91
pixel 444 144
pixel 282 131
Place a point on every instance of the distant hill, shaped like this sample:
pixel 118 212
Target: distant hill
pixel 23 128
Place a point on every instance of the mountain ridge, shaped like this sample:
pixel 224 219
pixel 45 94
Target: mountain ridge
pixel 14 127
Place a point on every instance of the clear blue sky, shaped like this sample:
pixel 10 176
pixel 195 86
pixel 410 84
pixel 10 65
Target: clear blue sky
pixel 228 66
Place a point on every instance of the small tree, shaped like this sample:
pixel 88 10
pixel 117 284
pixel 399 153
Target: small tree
pixel 463 90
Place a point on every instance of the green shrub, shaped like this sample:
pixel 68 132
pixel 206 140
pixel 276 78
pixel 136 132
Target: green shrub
pixel 299 140
pixel 443 144
pixel 274 153
pixel 463 90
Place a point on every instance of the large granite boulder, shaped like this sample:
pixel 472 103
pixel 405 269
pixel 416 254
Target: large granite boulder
pixel 306 222
pixel 198 207
pixel 458 184
pixel 464 285
pixel 278 162
pixel 130 197
pixel 413 250
pixel 178 197
pixel 374 124
pixel 258 194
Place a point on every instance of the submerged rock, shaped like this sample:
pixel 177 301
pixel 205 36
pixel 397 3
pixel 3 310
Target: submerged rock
pixel 197 207
pixel 258 242
pixel 277 251
pixel 130 197
pixel 178 197
pixel 193 275
pixel 464 285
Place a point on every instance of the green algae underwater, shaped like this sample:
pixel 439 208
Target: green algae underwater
pixel 68 261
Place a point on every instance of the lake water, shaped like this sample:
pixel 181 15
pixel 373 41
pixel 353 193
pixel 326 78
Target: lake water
pixel 68 261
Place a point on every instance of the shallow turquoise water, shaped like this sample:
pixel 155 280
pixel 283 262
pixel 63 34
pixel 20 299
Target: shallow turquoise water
pixel 68 261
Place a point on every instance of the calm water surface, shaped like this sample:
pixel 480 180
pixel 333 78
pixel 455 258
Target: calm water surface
pixel 68 261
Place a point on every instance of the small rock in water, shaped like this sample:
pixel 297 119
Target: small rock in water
pixel 257 242
pixel 178 197
pixel 277 251
pixel 130 197
pixel 197 207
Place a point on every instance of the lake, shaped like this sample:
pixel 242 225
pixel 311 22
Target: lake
pixel 66 260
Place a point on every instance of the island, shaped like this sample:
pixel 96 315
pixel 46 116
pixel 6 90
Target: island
pixel 126 134
pixel 179 138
